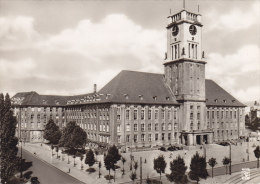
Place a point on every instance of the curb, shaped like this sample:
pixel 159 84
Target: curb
pixel 52 165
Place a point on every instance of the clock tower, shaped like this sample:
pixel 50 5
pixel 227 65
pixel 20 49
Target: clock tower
pixel 185 74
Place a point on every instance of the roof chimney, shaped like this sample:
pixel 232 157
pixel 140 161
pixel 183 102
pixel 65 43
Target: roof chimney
pixel 95 88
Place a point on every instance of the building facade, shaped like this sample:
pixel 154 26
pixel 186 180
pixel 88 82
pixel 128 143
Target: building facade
pixel 137 109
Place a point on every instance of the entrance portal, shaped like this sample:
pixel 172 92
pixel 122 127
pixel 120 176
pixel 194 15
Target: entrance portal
pixel 205 139
pixel 198 140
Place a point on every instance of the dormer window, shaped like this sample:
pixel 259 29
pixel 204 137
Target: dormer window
pixel 233 101
pixel 44 102
pixel 108 95
pixel 155 97
pixel 216 100
pixel 141 97
pixel 126 96
pixel 167 98
pixel 225 101
pixel 57 102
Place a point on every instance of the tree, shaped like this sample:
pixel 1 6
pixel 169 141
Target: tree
pixel 90 159
pixel 159 165
pixel 115 153
pixel 257 154
pixel 133 176
pixel 212 163
pixel 73 137
pixel 52 132
pixel 178 169
pixel 8 151
pixel 123 161
pixel 109 163
pixel 225 162
pixel 198 167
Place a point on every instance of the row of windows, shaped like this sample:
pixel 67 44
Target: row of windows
pixel 149 137
pixel 222 114
pixel 149 127
pixel 142 116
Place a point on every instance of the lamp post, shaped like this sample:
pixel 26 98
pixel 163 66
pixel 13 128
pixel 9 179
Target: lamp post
pixel 230 158
pixel 21 168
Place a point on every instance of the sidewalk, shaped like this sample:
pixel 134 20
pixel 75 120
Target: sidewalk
pixel 44 153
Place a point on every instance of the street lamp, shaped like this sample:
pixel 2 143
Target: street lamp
pixel 20 122
pixel 229 158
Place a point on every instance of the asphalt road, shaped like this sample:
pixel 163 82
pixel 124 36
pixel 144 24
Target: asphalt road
pixel 46 173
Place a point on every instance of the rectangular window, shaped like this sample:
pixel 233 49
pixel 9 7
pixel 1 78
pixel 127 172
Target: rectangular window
pixel 226 114
pixel 175 114
pixel 198 116
pixel 118 117
pixel 191 125
pixel 118 128
pixel 156 114
pixel 135 138
pixel 162 113
pixel 198 125
pixel 169 126
pixel 156 137
pixel 235 114
pixel 149 127
pixel 135 114
pixel 127 114
pixel 217 114
pixel 231 114
pixel 142 127
pixel 191 107
pixel 127 138
pixel 127 128
pixel 162 136
pixel 169 136
pixel 135 127
pixel 222 114
pixel 191 115
pixel 169 114
pixel 207 114
pixel 118 139
pixel 149 114
pixel 142 137
pixel 149 137
pixel 212 114
pixel 156 128
pixel 163 126
pixel 142 114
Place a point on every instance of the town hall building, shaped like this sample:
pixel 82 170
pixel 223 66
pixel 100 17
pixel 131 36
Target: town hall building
pixel 138 109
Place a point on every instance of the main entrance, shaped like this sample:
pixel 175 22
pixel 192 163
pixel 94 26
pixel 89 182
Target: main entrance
pixel 197 138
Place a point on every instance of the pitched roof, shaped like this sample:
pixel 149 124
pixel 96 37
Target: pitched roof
pixel 138 87
pixel 217 96
pixel 129 87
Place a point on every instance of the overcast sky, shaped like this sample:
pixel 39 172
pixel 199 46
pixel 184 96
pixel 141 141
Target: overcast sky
pixel 63 47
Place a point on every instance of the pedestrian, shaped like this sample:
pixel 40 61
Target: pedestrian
pixel 69 170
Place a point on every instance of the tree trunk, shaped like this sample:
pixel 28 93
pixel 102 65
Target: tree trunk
pixel 160 176
pixel 123 169
pixel 109 175
pixel 257 162
pixel 212 173
pixel 114 175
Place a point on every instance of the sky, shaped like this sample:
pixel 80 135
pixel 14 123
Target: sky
pixel 64 47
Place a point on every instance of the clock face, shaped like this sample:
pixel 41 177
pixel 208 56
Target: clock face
pixel 193 30
pixel 175 30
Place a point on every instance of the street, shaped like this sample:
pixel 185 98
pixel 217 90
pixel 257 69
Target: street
pixel 46 173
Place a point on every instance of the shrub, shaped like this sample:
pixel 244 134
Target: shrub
pixel 107 177
pixel 162 149
pixel 91 170
pixel 27 174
